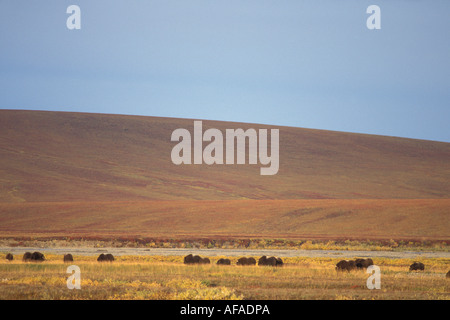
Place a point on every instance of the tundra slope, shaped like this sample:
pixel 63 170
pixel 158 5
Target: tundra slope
pixel 111 175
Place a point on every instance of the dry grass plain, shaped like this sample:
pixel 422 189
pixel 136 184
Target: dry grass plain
pixel 167 278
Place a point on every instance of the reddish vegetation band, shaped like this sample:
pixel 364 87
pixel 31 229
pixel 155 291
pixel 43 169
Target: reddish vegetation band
pixel 360 219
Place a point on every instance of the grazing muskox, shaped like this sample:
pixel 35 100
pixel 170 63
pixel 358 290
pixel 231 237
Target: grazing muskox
pixel 271 261
pixel 345 265
pixel 105 258
pixel 109 257
pixel 223 261
pixel 68 258
pixel 244 261
pixel 204 261
pixel 417 266
pixel 363 263
pixel 9 257
pixel 190 259
pixel 35 256
pixel 26 256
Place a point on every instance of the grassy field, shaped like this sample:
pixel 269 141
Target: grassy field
pixel 157 277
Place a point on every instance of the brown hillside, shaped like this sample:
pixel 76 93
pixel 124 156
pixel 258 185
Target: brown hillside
pixel 77 174
pixel 218 219
pixel 57 156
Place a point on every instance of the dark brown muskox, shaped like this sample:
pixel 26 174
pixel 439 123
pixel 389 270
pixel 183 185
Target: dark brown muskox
pixel 9 257
pixel 109 257
pixel 105 258
pixel 417 266
pixel 271 261
pixel 68 258
pixel 26 256
pixel 448 274
pixel 225 262
pixel 204 261
pixel 345 265
pixel 244 261
pixel 190 259
pixel 363 263
pixel 37 257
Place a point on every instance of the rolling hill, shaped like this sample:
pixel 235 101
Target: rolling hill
pixel 83 173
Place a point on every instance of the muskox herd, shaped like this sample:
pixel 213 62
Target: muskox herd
pixel 349 265
pixel 39 257
pixel 343 265
pixel 105 257
pixel 271 261
pixel 33 257
pixel 190 259
pixel 243 261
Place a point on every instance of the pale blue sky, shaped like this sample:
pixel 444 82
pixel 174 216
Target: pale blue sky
pixel 310 64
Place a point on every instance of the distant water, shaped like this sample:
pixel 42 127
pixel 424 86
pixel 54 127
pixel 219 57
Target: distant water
pixel 229 252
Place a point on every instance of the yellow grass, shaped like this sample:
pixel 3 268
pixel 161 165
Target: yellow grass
pixel 160 277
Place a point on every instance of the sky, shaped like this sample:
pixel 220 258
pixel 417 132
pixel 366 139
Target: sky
pixel 311 64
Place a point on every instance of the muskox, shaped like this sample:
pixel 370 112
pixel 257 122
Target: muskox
pixel 345 265
pixel 26 256
pixel 35 256
pixel 448 274
pixel 271 261
pixel 105 257
pixel 9 257
pixel 223 261
pixel 244 261
pixel 109 257
pixel 363 263
pixel 204 261
pixel 68 258
pixel 191 259
pixel 417 266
